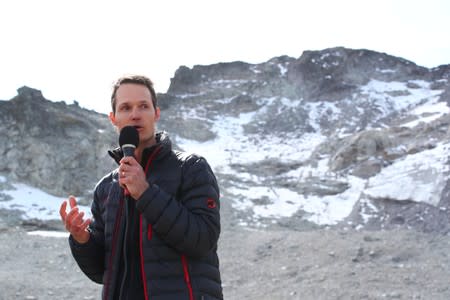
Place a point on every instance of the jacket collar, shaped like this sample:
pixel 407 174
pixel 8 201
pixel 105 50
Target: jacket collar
pixel 162 140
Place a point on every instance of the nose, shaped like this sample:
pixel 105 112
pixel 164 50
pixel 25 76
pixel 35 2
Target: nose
pixel 135 114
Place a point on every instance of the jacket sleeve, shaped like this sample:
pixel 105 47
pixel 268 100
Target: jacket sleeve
pixel 90 256
pixel 189 223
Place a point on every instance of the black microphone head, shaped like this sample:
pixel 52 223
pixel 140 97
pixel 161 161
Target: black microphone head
pixel 129 137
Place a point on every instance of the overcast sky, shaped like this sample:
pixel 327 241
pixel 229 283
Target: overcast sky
pixel 74 50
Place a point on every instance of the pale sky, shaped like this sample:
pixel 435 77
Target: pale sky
pixel 74 50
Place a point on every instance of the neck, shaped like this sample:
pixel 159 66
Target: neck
pixel 138 154
pixel 140 149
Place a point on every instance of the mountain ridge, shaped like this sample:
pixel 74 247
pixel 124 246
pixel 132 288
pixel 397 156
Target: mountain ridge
pixel 299 143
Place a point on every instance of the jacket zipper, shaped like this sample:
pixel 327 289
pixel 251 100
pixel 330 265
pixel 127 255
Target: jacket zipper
pixel 149 229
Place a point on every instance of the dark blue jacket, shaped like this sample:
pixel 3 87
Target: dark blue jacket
pixel 179 226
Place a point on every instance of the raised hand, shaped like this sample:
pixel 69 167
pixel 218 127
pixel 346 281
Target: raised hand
pixel 74 222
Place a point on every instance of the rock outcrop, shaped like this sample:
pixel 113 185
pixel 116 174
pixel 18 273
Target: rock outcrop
pixel 56 147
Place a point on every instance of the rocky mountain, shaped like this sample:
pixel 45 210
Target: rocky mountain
pixel 338 137
pixel 56 147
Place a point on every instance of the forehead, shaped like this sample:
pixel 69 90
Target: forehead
pixel 133 92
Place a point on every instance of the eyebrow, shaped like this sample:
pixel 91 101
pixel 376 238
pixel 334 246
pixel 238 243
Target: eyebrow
pixel 139 102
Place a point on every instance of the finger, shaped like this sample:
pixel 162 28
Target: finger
pixel 78 220
pixel 122 184
pixel 81 227
pixel 85 224
pixel 123 169
pixel 125 180
pixel 62 211
pixel 128 160
pixel 72 201
pixel 71 215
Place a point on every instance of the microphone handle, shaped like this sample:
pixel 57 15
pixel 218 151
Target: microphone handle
pixel 128 150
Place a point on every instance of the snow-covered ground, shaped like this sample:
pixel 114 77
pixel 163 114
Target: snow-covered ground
pixel 33 202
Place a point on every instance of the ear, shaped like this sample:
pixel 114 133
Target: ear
pixel 157 114
pixel 112 118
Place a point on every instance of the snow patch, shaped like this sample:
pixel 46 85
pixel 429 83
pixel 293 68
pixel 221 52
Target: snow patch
pixel 35 203
pixel 283 70
pixel 428 112
pixel 418 177
pixel 44 233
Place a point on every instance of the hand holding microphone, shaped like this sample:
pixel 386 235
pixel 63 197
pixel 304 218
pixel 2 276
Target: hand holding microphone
pixel 131 175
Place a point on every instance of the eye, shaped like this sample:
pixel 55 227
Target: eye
pixel 124 108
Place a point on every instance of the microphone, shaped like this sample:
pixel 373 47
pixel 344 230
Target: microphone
pixel 128 140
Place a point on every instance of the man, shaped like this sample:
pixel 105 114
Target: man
pixel 159 239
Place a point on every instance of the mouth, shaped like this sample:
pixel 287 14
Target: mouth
pixel 138 128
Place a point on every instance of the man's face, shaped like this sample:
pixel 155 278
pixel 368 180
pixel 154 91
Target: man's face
pixel 134 107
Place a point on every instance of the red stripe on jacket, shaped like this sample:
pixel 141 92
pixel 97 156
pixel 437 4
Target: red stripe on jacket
pixel 187 278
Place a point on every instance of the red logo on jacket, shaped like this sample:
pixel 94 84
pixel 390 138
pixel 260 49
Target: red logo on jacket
pixel 211 203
